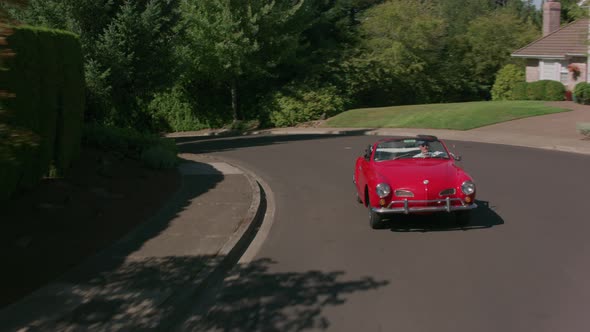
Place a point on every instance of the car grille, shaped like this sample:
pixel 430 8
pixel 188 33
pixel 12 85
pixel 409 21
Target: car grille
pixel 448 192
pixel 404 193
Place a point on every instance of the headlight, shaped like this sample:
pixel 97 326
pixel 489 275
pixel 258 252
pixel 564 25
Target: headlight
pixel 383 190
pixel 468 187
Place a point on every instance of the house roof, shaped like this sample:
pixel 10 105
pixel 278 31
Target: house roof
pixel 570 40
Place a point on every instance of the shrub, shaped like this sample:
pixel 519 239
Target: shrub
pixel 583 128
pixel 303 103
pixel 19 148
pixel 173 111
pixel 545 90
pixel 506 79
pixel 41 126
pixel 554 91
pixel 131 143
pixel 159 157
pixel 535 90
pixel 519 91
pixel 582 93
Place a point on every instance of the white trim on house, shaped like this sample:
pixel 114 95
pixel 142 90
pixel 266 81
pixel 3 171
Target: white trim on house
pixel 535 56
pixel 530 56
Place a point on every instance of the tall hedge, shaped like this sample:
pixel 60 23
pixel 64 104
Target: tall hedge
pixel 42 124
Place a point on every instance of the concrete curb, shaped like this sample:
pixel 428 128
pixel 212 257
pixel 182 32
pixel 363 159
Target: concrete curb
pixel 230 254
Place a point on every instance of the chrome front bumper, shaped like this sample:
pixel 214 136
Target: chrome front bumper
pixel 406 209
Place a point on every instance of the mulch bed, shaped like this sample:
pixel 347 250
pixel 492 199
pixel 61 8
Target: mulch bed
pixel 55 226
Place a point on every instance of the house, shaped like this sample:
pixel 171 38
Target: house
pixel 561 54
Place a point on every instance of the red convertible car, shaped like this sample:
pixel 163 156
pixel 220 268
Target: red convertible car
pixel 403 175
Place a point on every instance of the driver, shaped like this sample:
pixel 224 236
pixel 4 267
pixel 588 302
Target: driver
pixel 425 151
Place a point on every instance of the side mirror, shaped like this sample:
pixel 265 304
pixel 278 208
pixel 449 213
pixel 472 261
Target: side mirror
pixel 457 158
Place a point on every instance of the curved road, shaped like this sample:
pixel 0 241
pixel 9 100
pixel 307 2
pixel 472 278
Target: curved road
pixel 522 265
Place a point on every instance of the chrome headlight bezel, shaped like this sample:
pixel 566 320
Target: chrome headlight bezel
pixel 468 187
pixel 383 190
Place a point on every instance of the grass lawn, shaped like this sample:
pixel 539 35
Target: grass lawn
pixel 457 116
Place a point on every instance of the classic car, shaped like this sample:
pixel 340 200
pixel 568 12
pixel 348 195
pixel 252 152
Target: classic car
pixel 412 175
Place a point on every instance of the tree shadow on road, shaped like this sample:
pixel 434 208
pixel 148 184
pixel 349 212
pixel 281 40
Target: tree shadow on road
pixel 253 298
pixel 167 293
pixel 482 217
pixel 209 144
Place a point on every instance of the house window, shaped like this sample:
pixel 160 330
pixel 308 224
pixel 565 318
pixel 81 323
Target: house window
pixel 563 73
pixel 550 70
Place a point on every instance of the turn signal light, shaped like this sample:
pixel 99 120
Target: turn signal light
pixel 468 199
pixel 382 202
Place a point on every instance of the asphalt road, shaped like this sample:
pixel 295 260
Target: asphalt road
pixel 522 265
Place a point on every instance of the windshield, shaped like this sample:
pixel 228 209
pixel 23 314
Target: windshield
pixel 409 148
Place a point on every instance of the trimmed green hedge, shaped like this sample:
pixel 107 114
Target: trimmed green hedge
pixel 540 90
pixel 519 91
pixel 46 75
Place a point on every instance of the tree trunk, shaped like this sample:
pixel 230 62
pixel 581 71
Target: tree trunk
pixel 235 106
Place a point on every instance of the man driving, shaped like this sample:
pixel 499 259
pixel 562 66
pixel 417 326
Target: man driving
pixel 425 151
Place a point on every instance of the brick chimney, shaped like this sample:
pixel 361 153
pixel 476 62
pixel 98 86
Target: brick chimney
pixel 551 16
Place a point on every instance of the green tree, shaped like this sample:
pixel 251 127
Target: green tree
pixel 235 41
pixel 491 39
pixel 571 11
pixel 128 48
pixel 135 54
pixel 399 42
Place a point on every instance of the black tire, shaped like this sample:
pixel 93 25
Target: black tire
pixel 463 218
pixel 375 219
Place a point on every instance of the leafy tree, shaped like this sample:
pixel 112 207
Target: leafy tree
pixel 491 39
pixel 5 31
pixel 459 13
pixel 571 11
pixel 135 55
pixel 235 41
pixel 128 48
pixel 400 39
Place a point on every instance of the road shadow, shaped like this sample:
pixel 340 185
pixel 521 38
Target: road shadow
pixel 255 299
pixel 211 144
pixel 482 217
pixel 136 296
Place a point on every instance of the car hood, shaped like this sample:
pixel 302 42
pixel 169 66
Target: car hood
pixel 432 175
